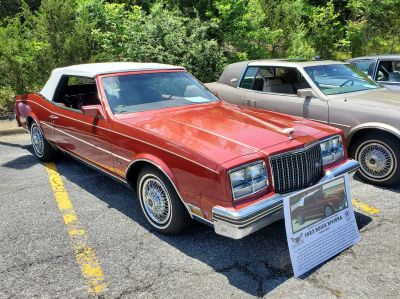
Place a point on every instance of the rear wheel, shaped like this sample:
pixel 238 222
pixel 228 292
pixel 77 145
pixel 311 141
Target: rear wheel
pixel 378 155
pixel 42 148
pixel 160 203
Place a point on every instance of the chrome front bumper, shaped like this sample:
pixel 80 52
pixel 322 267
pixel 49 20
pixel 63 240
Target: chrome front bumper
pixel 237 224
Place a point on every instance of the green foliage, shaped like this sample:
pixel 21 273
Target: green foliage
pixel 10 8
pixel 374 26
pixel 21 55
pixel 203 35
pixel 326 30
pixel 7 100
pixel 162 35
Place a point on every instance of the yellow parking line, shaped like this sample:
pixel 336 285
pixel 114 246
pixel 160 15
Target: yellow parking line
pixel 364 207
pixel 84 254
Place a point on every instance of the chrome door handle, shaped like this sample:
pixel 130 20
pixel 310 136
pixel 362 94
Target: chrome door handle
pixel 52 116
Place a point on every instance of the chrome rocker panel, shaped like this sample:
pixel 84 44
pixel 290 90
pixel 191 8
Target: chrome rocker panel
pixel 237 224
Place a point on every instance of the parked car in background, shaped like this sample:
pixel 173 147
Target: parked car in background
pixel 329 92
pixel 189 156
pixel 384 69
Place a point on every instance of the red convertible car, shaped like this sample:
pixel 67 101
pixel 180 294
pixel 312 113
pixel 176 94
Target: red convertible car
pixel 188 155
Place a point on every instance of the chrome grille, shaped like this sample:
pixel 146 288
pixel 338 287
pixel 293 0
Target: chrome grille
pixel 296 170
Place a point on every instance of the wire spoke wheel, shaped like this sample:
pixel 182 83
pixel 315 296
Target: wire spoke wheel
pixel 156 201
pixel 37 140
pixel 328 211
pixel 376 160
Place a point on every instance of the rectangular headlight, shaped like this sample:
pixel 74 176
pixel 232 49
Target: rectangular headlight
pixel 332 149
pixel 248 179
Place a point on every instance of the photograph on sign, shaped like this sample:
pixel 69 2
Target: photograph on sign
pixel 317 203
pixel 319 223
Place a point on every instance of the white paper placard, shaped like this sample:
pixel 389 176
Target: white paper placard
pixel 319 223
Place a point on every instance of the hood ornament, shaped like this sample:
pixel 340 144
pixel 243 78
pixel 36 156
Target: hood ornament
pixel 290 132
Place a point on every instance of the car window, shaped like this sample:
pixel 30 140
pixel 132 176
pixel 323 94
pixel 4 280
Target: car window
pixel 142 92
pixel 73 80
pixel 272 79
pixel 388 71
pixel 75 91
pixel 363 65
pixel 308 201
pixel 247 80
pixel 339 78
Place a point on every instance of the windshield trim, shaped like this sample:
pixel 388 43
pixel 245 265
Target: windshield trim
pixel 106 104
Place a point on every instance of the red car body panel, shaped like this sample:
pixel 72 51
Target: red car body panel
pixel 194 145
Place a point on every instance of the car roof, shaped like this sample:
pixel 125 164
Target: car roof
pixel 385 56
pixel 292 62
pixel 233 72
pixel 94 69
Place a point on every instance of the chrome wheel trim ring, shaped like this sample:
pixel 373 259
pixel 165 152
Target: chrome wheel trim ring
pixel 377 160
pixel 155 201
pixel 37 140
pixel 299 219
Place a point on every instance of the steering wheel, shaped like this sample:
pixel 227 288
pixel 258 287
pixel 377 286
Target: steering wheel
pixel 345 82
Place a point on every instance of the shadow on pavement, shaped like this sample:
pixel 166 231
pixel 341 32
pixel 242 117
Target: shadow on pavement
pixel 22 162
pixel 256 264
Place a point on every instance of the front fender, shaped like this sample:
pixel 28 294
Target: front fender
pixel 155 161
pixel 373 125
pixel 163 167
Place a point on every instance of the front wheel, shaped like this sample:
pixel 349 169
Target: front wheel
pixel 160 203
pixel 328 211
pixel 300 219
pixel 378 155
pixel 42 148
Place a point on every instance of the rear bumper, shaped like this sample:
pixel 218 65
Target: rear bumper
pixel 237 224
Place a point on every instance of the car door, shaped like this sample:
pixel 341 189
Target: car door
pixel 84 136
pixel 310 206
pixel 388 73
pixel 275 88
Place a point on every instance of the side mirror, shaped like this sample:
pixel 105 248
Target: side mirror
pixel 306 93
pixel 93 110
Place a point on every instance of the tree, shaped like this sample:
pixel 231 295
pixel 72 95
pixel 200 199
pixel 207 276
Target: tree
pixel 9 8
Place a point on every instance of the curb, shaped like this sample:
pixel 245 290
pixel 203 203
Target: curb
pixel 15 131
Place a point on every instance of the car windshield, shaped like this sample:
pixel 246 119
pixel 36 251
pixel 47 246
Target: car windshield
pixel 339 78
pixel 142 92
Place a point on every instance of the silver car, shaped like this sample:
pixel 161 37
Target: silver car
pixel 329 92
pixel 384 69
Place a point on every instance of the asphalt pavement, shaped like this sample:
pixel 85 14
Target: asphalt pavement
pixel 39 257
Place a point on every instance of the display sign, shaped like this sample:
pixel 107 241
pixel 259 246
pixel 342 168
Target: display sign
pixel 320 223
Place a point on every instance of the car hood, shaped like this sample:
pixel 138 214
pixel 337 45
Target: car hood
pixel 222 132
pixel 382 98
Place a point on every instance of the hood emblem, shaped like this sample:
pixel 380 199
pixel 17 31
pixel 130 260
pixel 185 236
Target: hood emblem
pixel 290 132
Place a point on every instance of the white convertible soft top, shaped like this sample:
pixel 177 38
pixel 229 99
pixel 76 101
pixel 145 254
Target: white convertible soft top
pixel 94 69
